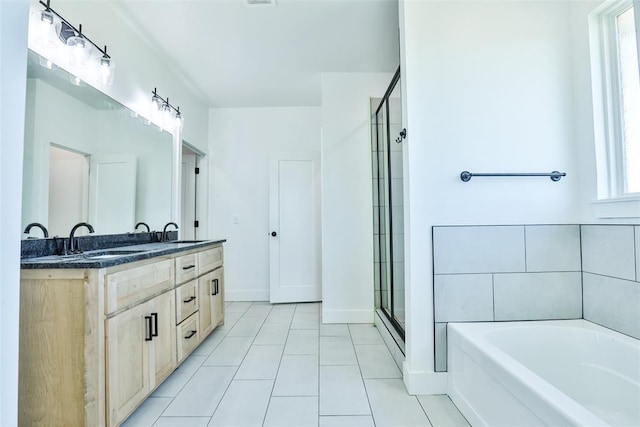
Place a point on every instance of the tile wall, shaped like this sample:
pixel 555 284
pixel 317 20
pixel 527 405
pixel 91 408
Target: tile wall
pixel 611 276
pixel 536 272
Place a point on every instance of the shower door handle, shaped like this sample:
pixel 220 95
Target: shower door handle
pixel 274 234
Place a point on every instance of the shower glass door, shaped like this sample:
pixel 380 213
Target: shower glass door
pixel 388 211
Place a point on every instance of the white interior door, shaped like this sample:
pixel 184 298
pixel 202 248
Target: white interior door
pixel 188 217
pixel 295 227
pixel 68 190
pixel 112 198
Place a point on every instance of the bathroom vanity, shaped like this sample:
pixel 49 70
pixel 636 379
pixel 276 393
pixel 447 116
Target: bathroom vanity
pixel 100 331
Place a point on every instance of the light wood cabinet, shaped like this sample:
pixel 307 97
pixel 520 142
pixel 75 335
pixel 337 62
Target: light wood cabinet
pixel 94 343
pixel 186 268
pixel 210 288
pixel 186 300
pixel 128 379
pixel 141 352
pixel 188 336
pixel 217 299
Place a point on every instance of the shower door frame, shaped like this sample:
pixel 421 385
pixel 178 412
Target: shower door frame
pixel 384 103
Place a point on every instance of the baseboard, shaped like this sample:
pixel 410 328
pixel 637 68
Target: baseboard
pixel 347 316
pixel 424 382
pixel 250 295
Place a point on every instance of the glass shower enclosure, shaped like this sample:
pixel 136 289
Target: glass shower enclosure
pixel 388 211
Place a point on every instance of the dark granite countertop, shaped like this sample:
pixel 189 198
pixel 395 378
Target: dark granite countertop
pixel 109 257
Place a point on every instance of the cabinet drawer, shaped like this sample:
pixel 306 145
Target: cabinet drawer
pixel 188 336
pixel 186 300
pixel 186 268
pixel 209 260
pixel 127 287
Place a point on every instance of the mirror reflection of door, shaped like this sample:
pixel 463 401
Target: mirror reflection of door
pixel 68 189
pixel 112 194
pixel 190 162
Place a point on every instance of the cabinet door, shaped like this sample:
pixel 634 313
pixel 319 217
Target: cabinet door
pixel 205 301
pixel 163 353
pixel 217 302
pixel 127 368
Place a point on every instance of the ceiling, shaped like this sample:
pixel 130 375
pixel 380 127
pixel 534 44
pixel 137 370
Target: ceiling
pixel 240 55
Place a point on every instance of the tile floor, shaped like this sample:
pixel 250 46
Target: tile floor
pixel 278 365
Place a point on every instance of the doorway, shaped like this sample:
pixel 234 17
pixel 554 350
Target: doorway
pixel 191 158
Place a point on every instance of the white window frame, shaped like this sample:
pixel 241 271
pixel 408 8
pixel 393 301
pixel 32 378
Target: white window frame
pixel 612 201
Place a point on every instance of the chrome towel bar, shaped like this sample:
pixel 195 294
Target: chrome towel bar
pixel 555 175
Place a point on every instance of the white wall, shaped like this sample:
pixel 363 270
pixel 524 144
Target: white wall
pixel 13 70
pixel 347 223
pixel 488 88
pixel 241 142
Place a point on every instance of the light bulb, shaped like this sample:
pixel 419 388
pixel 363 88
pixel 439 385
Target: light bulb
pixel 79 52
pixel 167 117
pixel 156 104
pixel 107 68
pixel 179 121
pixel 46 34
pixel 46 63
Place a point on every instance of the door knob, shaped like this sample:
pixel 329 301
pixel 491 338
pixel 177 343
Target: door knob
pixel 274 234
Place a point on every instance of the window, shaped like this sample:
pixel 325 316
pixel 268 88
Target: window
pixel 616 83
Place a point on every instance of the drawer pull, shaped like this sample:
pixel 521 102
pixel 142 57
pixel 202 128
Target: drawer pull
pixel 192 333
pixel 188 267
pixel 188 300
pixel 215 287
pixel 154 331
pixel 148 336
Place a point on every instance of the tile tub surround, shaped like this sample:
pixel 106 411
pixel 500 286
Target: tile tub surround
pixel 536 272
pixel 611 276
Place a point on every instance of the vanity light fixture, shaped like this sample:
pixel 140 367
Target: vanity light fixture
pixel 55 29
pixel 168 116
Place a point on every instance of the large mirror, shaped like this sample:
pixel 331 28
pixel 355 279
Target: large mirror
pixel 88 158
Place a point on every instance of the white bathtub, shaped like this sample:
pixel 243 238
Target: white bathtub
pixel 555 373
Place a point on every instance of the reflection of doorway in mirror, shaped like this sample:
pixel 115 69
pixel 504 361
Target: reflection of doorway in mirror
pixel 190 162
pixel 68 189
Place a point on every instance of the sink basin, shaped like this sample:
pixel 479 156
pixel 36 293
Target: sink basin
pixel 110 253
pixel 105 256
pixel 56 258
pixel 186 241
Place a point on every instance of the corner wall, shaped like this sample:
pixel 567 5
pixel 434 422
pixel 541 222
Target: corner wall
pixel 347 223
pixel 13 73
pixel 488 88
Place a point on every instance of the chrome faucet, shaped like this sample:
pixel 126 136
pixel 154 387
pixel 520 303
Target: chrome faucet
pixel 40 226
pixel 165 237
pixel 73 246
pixel 144 224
